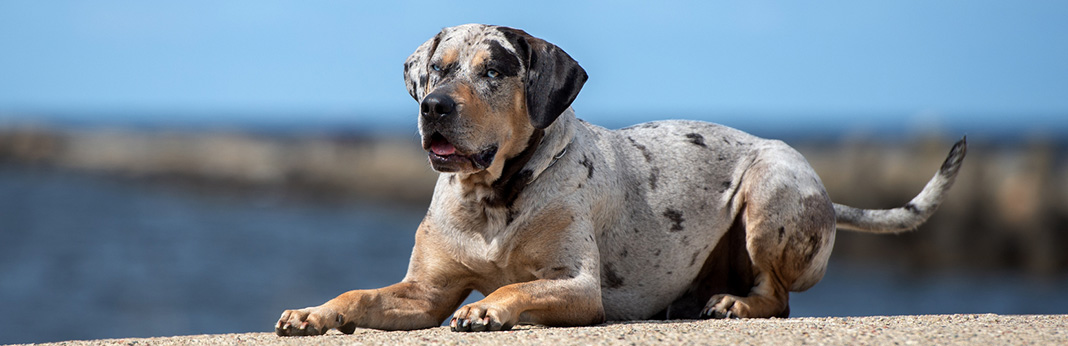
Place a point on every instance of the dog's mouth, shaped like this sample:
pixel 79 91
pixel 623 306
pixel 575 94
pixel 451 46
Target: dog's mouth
pixel 444 156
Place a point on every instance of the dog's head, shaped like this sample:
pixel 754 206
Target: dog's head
pixel 484 90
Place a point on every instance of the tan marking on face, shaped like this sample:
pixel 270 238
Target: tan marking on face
pixel 510 130
pixel 479 59
pixel 474 109
pixel 449 56
pixel 518 111
pixel 516 120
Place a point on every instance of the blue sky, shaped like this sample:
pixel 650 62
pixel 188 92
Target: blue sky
pixel 853 62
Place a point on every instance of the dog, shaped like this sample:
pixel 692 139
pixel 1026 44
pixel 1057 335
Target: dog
pixel 563 223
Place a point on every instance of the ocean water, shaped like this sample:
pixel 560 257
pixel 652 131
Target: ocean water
pixel 86 257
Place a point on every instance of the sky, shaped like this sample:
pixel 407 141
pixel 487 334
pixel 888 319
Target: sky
pixel 910 63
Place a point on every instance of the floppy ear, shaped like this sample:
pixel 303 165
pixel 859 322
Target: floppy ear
pixel 553 78
pixel 416 74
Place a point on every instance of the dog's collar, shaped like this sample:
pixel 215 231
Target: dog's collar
pixel 515 179
pixel 521 170
pixel 553 162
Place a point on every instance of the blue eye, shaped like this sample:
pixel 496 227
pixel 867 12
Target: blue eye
pixel 436 67
pixel 492 73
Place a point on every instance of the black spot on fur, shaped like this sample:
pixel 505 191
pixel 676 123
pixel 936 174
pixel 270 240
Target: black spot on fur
pixel 422 82
pixel 956 155
pixel 645 151
pixel 693 259
pixel 724 186
pixel 611 278
pixel 654 176
pixel 813 247
pixel 912 208
pixel 676 218
pixel 624 253
pixel 589 166
pixel 696 138
pixel 570 274
pixel 657 253
pixel 502 60
pixel 452 178
pixel 782 232
pixel 511 216
pixel 516 37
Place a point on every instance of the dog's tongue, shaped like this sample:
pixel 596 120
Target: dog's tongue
pixel 442 148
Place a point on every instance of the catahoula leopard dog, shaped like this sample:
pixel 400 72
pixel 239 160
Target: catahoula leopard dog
pixel 563 223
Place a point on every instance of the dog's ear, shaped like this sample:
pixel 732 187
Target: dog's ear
pixel 416 73
pixel 553 78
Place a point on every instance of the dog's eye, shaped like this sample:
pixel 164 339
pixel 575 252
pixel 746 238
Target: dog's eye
pixel 492 73
pixel 436 67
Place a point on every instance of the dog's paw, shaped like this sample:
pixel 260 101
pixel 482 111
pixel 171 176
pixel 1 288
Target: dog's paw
pixel 724 306
pixel 310 321
pixel 481 317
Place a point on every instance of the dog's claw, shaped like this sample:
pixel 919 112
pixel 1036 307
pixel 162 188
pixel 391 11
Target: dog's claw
pixel 308 321
pixel 461 325
pixel 720 307
pixel 481 318
pixel 478 326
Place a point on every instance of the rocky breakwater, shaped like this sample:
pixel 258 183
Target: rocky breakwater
pixel 1007 211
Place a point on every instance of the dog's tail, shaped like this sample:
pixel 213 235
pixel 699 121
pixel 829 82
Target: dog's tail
pixel 913 213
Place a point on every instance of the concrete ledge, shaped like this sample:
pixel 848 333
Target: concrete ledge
pixel 877 330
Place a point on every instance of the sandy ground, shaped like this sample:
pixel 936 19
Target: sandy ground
pixel 878 330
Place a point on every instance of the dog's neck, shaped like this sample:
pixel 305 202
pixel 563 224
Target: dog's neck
pixel 543 149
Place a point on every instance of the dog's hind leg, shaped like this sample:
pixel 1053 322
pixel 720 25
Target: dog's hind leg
pixel 789 225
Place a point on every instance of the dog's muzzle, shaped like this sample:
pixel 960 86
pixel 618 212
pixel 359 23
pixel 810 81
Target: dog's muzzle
pixel 445 158
pixel 436 109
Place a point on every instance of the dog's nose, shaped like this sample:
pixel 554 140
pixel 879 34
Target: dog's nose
pixel 437 105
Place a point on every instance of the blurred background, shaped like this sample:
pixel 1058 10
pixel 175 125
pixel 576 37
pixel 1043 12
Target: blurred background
pixel 195 167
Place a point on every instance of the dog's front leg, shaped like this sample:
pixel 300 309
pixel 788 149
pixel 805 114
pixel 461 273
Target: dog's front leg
pixel 430 291
pixel 402 306
pixel 567 302
pixel 566 290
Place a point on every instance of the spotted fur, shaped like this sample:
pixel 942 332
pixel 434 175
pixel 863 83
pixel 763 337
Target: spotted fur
pixel 560 222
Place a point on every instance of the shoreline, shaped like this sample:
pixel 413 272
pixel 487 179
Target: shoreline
pixel 909 329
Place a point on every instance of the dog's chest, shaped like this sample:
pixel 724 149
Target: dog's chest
pixel 481 242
